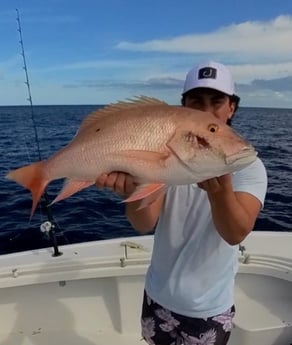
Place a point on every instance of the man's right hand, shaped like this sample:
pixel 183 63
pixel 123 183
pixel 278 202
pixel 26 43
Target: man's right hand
pixel 119 182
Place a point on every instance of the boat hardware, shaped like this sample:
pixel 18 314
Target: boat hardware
pixel 243 257
pixel 133 245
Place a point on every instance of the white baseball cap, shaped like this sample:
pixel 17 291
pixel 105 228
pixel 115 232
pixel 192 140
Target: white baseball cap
pixel 212 75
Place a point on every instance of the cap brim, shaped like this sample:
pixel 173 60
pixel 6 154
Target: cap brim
pixel 208 87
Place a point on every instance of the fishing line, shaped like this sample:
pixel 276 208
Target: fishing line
pixel 48 226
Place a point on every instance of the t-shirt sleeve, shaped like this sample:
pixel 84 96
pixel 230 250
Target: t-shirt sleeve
pixel 252 179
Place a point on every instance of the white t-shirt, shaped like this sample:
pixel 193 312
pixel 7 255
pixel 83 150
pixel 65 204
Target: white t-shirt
pixel 192 268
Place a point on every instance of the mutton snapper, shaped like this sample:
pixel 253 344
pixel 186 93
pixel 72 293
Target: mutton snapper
pixel 157 143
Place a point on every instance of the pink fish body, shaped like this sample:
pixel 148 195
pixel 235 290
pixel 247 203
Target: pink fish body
pixel 157 143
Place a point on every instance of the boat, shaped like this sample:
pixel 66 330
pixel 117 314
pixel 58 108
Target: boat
pixel 92 293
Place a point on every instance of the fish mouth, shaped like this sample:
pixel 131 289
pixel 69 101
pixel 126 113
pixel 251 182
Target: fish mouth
pixel 247 154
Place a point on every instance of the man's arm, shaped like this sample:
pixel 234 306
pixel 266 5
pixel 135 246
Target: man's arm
pixel 143 220
pixel 234 213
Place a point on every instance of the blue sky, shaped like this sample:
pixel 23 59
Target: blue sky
pixel 96 52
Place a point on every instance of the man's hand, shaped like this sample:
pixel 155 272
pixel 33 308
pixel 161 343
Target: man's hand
pixel 217 184
pixel 118 182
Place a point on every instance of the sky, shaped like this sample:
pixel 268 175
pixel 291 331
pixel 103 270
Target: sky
pixel 103 51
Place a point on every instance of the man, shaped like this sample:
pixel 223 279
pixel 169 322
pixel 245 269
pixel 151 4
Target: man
pixel 189 284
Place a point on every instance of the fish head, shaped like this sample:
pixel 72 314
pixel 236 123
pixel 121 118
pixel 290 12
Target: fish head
pixel 208 147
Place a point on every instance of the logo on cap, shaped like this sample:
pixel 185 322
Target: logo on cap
pixel 207 72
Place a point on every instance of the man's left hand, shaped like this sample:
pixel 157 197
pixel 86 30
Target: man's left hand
pixel 217 184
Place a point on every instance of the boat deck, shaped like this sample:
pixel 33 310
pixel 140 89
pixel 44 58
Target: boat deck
pixel 40 337
pixel 92 294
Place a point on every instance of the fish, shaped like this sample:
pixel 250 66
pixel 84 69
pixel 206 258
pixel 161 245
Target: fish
pixel 157 143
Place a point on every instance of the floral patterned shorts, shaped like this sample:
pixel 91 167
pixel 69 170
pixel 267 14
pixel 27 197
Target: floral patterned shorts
pixel 160 326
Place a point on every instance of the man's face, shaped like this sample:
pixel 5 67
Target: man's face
pixel 212 101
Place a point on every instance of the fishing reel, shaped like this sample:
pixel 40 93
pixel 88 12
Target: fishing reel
pixel 46 227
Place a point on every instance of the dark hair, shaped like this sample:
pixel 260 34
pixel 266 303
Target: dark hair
pixel 233 99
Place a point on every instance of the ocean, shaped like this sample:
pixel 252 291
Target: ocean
pixel 95 214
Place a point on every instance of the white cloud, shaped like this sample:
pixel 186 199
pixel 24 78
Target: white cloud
pixel 266 98
pixel 253 39
pixel 256 52
pixel 245 73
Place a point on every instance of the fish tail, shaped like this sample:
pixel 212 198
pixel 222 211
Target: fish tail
pixel 31 177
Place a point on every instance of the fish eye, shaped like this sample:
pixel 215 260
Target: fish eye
pixel 213 128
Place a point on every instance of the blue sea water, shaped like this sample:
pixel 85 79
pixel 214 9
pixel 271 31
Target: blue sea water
pixel 94 214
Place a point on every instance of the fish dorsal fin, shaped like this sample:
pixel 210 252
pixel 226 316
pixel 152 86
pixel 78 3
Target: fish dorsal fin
pixel 119 106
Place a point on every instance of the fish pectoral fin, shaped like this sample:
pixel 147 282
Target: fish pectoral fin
pixel 152 197
pixel 148 193
pixel 149 156
pixel 71 187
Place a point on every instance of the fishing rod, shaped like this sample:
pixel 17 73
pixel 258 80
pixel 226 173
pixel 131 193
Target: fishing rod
pixel 48 226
